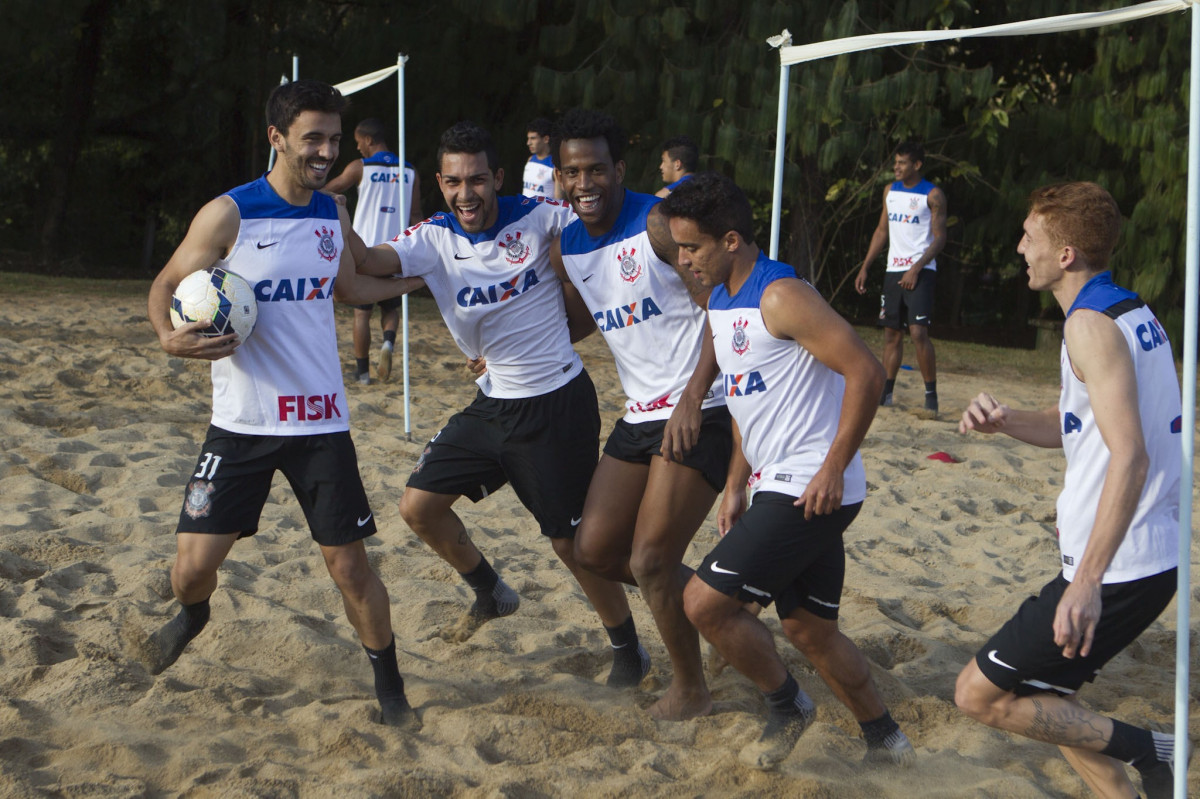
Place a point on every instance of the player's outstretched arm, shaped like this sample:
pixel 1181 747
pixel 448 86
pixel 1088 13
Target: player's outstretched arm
pixel 793 309
pixel 1101 358
pixel 986 414
pixel 209 239
pixel 879 240
pixel 351 176
pixel 358 287
pixel 667 250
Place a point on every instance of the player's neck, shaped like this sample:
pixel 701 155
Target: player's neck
pixel 743 264
pixel 610 219
pixel 290 191
pixel 913 181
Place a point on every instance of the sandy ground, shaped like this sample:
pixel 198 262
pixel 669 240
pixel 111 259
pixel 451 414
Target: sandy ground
pixel 99 430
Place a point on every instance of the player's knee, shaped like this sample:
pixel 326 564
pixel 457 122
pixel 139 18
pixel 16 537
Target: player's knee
pixel 416 512
pixel 188 574
pixel 811 636
pixel 702 606
pixel 349 568
pixel 592 555
pixel 974 702
pixel 651 564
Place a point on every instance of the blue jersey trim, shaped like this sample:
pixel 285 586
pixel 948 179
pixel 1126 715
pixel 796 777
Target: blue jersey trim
pixel 547 161
pixel 512 209
pixel 1100 294
pixel 630 222
pixel 764 273
pixel 679 182
pixel 924 187
pixel 257 200
pixel 382 158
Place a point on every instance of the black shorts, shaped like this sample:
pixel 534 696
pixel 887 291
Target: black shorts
pixel 231 480
pixel 642 442
pixel 545 446
pixel 1023 658
pixel 384 305
pixel 899 308
pixel 772 554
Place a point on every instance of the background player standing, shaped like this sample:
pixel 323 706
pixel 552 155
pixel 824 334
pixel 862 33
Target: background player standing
pixel 1118 422
pixel 539 178
pixel 680 158
pixel 913 223
pixel 271 410
pixel 381 185
pixel 802 389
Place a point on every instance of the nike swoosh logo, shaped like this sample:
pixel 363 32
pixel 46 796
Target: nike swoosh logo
pixel 589 277
pixel 992 657
pixel 262 246
pixel 921 318
pixel 575 522
pixel 719 570
pixel 364 520
pixel 458 257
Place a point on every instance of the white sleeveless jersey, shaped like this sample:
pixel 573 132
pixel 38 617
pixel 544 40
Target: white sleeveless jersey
pixel 786 403
pixel 377 216
pixel 1151 543
pixel 539 177
pixel 498 294
pixel 642 308
pixel 285 379
pixel 910 232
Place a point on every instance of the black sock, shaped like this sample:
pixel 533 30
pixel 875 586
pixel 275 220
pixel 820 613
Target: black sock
pixel 876 730
pixel 931 387
pixel 388 682
pixel 1132 745
pixel 194 617
pixel 389 335
pixel 623 635
pixel 889 386
pixel 482 578
pixel 782 701
pixel 362 365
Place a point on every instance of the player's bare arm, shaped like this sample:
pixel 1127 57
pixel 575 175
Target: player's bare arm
pixel 208 240
pixel 358 288
pixel 1100 358
pixel 415 214
pixel 733 501
pixel 380 260
pixel 351 176
pixel 879 240
pixel 682 429
pixel 793 309
pixel 937 224
pixel 986 414
pixel 580 322
pixel 665 248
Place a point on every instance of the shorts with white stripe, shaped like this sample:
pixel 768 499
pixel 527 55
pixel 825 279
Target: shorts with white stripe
pixel 1023 658
pixel 773 554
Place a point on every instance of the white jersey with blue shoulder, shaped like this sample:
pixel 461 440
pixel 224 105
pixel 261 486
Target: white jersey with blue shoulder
pixel 642 307
pixel 787 404
pixel 377 216
pixel 285 379
pixel 498 293
pixel 910 226
pixel 539 177
pixel 1151 543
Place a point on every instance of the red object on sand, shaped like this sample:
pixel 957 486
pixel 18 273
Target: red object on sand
pixel 944 457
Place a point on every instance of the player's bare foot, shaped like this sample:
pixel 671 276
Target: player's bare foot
pixel 678 704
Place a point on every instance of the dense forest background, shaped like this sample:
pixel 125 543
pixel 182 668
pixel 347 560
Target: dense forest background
pixel 119 118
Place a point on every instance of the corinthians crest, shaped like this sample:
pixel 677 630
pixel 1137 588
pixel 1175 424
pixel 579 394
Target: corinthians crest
pixel 199 501
pixel 741 342
pixel 631 270
pixel 325 247
pixel 515 250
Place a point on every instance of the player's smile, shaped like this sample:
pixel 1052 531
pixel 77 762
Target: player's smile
pixel 592 182
pixel 469 188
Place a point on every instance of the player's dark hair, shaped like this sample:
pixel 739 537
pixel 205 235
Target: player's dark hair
pixel 373 129
pixel 289 100
pixel 469 138
pixel 912 149
pixel 715 203
pixel 584 123
pixel 541 126
pixel 1081 215
pixel 683 150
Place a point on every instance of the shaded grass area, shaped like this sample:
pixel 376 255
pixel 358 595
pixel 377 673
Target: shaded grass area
pixel 953 356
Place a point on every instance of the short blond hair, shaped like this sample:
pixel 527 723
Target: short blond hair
pixel 1080 215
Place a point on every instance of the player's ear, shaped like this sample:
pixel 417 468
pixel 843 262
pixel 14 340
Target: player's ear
pixel 499 178
pixel 275 136
pixel 620 169
pixel 731 240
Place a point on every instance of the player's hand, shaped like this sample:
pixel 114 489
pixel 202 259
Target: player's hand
pixel 908 281
pixel 1075 619
pixel 681 432
pixel 340 199
pixel 477 365
pixel 823 494
pixel 860 282
pixel 186 341
pixel 984 415
pixel 733 505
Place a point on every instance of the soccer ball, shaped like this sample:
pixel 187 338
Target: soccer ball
pixel 219 295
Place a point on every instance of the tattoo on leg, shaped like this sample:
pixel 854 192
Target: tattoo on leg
pixel 462 538
pixel 1063 723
